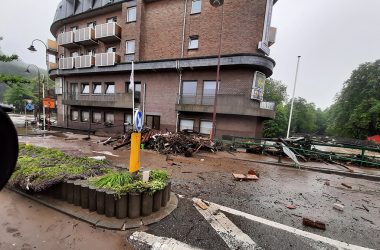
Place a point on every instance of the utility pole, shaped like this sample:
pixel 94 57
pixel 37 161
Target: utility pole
pixel 294 91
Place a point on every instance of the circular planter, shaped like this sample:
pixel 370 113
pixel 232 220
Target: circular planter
pixel 146 204
pixel 77 194
pixel 134 205
pixel 91 199
pixel 169 188
pixel 121 206
pixel 157 200
pixel 110 204
pixel 165 194
pixel 100 201
pixel 84 195
pixel 63 195
pixel 70 191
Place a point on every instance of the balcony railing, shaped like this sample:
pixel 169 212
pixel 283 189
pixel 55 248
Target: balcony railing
pixel 66 63
pixel 52 66
pixel 117 100
pixel 86 61
pixel 267 105
pixel 197 99
pixel 52 47
pixel 85 36
pixel 106 59
pixel 108 32
pixel 238 104
pixel 66 40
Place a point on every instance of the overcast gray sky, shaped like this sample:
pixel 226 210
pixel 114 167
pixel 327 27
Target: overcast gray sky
pixel 332 36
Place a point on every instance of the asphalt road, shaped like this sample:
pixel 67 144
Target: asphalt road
pixel 209 177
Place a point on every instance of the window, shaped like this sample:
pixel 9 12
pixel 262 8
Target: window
pixel 153 121
pixel 74 115
pixel 111 49
pixel 91 25
pixel 84 116
pixel 193 42
pixel 130 47
pixel 85 88
pixel 137 92
pixel 97 88
pixel 96 117
pixel 127 122
pixel 196 6
pixel 186 124
pixel 131 14
pixel 110 88
pixel 109 118
pixel 205 127
pixel 189 92
pixel 208 92
pixel 91 52
pixel 74 28
pixel 74 54
pixel 111 20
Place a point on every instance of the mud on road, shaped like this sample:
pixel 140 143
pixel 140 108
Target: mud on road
pixel 209 176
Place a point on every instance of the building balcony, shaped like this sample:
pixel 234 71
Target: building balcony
pixel 52 66
pixel 52 47
pixel 86 61
pixel 226 104
pixel 85 36
pixel 66 39
pixel 118 100
pixel 66 63
pixel 106 59
pixel 108 32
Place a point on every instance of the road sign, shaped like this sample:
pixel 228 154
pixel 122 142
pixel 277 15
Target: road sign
pixel 49 103
pixel 29 107
pixel 138 120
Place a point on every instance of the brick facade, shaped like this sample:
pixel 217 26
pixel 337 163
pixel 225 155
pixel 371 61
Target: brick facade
pixel 158 34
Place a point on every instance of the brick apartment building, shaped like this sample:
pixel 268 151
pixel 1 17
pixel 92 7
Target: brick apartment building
pixel 174 45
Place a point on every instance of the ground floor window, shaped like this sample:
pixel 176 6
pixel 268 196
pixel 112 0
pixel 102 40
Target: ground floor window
pixel 127 122
pixel 96 117
pixel 205 127
pixel 186 124
pixel 153 121
pixel 74 115
pixel 109 118
pixel 85 116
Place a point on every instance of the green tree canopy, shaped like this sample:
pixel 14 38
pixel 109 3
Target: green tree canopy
pixel 356 111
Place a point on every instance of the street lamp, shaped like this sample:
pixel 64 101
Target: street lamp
pixel 33 49
pixel 294 91
pixel 217 3
pixel 39 89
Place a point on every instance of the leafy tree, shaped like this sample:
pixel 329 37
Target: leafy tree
pixel 356 111
pixel 304 116
pixel 275 91
pixel 17 95
pixel 5 58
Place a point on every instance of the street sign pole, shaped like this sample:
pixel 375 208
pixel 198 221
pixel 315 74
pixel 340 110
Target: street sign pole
pixel 134 160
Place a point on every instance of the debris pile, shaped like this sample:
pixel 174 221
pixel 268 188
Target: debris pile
pixel 186 143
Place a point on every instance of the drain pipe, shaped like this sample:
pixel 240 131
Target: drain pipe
pixel 178 65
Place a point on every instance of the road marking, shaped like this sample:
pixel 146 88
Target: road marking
pixel 160 243
pixel 228 231
pixel 315 237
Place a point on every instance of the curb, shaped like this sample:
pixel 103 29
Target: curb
pixel 369 177
pixel 101 221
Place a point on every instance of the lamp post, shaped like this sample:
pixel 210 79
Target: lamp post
pixel 39 89
pixel 33 49
pixel 294 91
pixel 217 3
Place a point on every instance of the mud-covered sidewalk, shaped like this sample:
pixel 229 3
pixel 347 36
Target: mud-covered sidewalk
pixel 209 176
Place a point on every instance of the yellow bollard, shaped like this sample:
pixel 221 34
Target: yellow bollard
pixel 134 162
